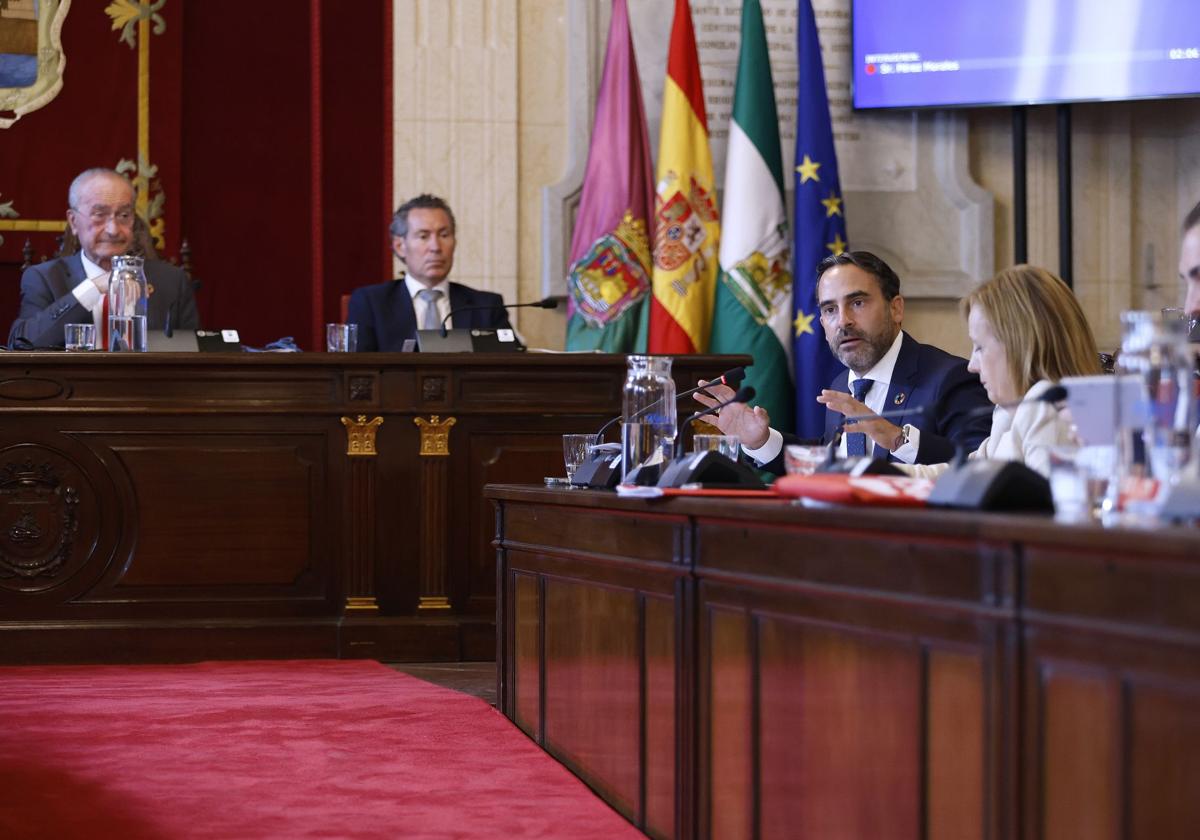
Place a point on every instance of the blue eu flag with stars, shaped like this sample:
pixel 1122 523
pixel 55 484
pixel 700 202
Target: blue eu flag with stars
pixel 820 227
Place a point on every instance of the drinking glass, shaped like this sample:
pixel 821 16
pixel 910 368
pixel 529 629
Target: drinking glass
pixel 804 460
pixel 341 338
pixel 576 449
pixel 80 337
pixel 727 445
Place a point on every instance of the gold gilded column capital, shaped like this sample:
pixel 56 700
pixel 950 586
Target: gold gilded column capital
pixel 360 435
pixel 435 435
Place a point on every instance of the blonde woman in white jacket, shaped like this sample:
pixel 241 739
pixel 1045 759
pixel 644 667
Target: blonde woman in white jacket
pixel 1027 332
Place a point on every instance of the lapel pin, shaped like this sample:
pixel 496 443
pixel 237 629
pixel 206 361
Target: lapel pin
pixel 900 398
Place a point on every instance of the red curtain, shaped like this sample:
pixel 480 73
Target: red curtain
pixel 269 127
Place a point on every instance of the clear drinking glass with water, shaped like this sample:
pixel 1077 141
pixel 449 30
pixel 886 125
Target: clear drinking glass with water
pixel 576 450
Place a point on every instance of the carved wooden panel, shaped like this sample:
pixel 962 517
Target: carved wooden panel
pixel 661 710
pixel 957 746
pixel 727 704
pixel 1081 794
pixel 593 706
pixel 223 510
pixel 527 654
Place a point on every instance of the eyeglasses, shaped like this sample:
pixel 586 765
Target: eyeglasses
pixel 99 216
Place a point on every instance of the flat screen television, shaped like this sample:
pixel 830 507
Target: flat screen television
pixel 960 53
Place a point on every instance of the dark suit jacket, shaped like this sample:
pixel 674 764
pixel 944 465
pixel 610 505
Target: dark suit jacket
pixel 47 304
pixel 956 407
pixel 385 315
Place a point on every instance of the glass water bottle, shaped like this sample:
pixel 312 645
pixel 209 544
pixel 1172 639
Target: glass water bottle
pixel 649 418
pixel 128 299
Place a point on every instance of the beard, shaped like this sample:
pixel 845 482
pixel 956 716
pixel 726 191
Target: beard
pixel 864 355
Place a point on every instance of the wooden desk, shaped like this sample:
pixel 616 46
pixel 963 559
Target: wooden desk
pixel 186 506
pixel 720 668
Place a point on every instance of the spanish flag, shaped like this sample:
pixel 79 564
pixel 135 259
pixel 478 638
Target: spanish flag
pixel 687 226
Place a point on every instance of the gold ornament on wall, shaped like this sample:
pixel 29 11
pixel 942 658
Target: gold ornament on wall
pixel 360 435
pixel 435 435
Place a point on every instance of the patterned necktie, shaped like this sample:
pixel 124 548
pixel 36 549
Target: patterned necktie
pixel 856 442
pixel 432 320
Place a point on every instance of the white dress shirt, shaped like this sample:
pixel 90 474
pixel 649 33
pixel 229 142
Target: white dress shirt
pixel 881 377
pixel 1025 432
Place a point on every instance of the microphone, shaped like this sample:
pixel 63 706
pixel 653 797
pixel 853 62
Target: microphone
pixel 732 377
pixel 168 331
pixel 744 394
pixel 544 303
pixel 897 412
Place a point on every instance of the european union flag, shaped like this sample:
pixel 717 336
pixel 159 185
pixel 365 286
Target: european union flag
pixel 820 227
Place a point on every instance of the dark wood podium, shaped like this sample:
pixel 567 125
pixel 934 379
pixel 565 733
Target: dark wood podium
pixel 173 507
pixel 717 667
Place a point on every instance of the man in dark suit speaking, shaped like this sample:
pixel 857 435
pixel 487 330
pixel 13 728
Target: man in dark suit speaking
pixel 423 235
pixel 71 290
pixel 936 404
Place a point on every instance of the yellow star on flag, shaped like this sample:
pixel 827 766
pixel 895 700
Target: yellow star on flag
pixel 808 170
pixel 837 246
pixel 803 323
pixel 833 205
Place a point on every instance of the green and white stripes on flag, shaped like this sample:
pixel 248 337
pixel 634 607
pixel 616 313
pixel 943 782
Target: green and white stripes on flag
pixel 753 311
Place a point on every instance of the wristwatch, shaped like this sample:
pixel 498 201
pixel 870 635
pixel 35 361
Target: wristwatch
pixel 902 438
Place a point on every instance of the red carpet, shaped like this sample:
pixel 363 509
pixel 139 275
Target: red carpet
pixel 272 749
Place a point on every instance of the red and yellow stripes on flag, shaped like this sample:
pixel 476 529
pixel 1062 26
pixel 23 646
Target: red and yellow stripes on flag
pixel 688 227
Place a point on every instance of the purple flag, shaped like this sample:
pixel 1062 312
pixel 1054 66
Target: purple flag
pixel 608 284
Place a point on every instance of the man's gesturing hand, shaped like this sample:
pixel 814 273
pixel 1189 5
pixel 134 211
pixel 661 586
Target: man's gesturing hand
pixel 752 426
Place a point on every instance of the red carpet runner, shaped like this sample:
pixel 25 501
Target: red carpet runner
pixel 272 749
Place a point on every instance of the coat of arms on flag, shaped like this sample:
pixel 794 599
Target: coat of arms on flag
pixel 680 231
pixel 612 275
pixel 761 282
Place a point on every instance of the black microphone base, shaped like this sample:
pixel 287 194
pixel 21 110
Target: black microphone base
pixel 644 476
pixel 710 469
pixel 994 486
pixel 861 466
pixel 598 474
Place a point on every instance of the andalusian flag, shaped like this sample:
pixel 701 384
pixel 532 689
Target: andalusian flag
pixel 754 298
pixel 820 226
pixel 688 227
pixel 609 278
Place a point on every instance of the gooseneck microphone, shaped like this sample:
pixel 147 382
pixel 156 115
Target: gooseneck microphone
pixel 744 394
pixel 886 415
pixel 732 377
pixel 544 303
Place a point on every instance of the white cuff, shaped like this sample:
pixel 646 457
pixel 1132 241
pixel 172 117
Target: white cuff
pixel 88 294
pixel 769 451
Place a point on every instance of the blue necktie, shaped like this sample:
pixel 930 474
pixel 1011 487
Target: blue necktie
pixel 856 442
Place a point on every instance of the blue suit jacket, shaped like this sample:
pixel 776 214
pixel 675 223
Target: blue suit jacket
pixel 385 315
pixel 48 305
pixel 939 396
